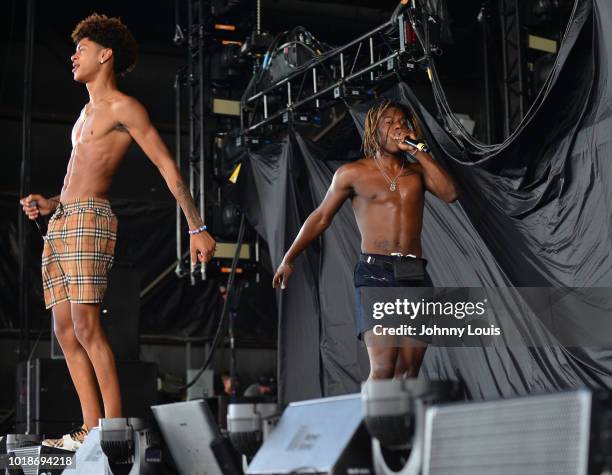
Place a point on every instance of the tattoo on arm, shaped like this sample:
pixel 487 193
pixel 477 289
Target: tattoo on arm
pixel 185 200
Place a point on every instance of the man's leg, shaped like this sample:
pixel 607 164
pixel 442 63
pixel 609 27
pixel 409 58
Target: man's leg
pixel 89 332
pixel 409 358
pixel 383 355
pixel 81 370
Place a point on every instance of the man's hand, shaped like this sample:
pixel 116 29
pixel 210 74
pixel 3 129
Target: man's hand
pixel 202 247
pixel 404 146
pixel 43 206
pixel 282 275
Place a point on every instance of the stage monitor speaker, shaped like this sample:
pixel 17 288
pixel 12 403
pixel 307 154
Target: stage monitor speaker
pixel 564 433
pixel 54 405
pixel 189 429
pixel 317 436
pixel 119 314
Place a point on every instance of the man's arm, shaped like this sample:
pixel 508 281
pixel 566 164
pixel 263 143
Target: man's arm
pixel 134 117
pixel 55 201
pixel 44 206
pixel 318 221
pixel 437 179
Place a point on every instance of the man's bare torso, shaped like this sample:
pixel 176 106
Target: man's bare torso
pixel 389 221
pixel 99 143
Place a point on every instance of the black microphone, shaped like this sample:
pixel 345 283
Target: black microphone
pixel 34 204
pixel 419 146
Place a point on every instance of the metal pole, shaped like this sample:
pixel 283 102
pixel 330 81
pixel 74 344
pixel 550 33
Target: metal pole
pixel 191 105
pixel 483 18
pixel 179 270
pixel 519 61
pixel 202 118
pixel 512 58
pixel 24 186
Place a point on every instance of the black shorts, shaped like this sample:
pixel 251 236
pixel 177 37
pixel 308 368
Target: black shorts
pixel 374 275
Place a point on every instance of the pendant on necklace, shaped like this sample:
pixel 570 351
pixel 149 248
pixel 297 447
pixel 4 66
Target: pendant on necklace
pixel 392 186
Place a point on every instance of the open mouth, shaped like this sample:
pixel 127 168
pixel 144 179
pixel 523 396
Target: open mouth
pixel 75 67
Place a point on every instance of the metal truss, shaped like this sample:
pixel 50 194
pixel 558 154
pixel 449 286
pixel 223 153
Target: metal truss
pixel 512 61
pixel 335 75
pixel 193 80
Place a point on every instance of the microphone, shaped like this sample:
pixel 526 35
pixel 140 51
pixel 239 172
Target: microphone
pixel 34 204
pixel 419 146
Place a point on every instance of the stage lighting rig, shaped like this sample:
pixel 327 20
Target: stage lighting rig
pixel 253 141
pixel 230 149
pixel 353 92
pixel 130 446
pixel 394 412
pixel 250 423
pixel 302 118
pixel 223 7
pixel 307 74
pixel 228 152
pixel 226 62
pixel 256 44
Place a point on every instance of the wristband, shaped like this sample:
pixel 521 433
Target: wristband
pixel 198 231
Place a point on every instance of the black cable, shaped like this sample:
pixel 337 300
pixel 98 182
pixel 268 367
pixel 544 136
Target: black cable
pixel 228 296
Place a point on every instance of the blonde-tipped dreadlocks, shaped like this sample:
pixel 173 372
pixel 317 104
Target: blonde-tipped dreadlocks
pixel 371 144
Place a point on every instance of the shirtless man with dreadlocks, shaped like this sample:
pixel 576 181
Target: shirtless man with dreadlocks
pixel 387 195
pixel 80 240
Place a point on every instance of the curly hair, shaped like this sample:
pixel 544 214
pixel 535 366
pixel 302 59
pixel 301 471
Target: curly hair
pixel 110 33
pixel 371 144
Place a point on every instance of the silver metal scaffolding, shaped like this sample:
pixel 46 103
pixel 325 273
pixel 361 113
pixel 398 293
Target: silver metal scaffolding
pixel 360 62
pixel 193 80
pixel 512 61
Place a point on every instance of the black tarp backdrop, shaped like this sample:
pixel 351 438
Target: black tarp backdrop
pixel 533 212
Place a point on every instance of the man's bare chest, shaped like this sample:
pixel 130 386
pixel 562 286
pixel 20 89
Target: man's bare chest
pixel 95 127
pixel 377 189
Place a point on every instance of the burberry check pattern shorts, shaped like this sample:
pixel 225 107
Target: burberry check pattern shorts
pixel 78 252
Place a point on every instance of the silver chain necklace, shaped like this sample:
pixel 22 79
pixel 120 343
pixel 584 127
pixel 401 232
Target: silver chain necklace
pixel 392 183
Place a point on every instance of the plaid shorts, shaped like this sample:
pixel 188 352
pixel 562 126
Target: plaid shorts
pixel 78 251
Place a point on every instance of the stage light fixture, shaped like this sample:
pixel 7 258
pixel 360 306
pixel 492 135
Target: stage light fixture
pixel 222 7
pixel 302 117
pixel 389 406
pixel 256 44
pixel 353 92
pixel 249 425
pixel 394 414
pixel 226 62
pixel 130 446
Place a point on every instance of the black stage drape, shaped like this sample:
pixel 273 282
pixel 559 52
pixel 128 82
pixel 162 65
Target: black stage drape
pixel 534 212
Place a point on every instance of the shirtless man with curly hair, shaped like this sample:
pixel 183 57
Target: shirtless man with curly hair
pixel 80 240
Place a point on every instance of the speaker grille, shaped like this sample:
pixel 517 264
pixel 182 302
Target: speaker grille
pixel 531 435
